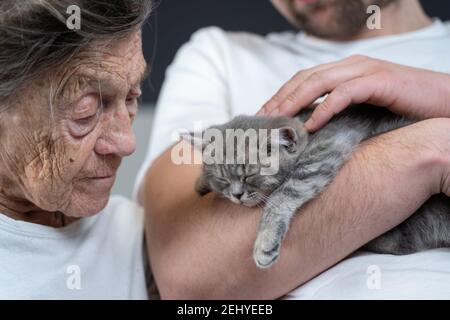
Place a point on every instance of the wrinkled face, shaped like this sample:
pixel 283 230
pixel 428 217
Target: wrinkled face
pixel 61 153
pixel 328 19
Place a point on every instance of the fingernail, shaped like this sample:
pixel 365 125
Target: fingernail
pixel 274 112
pixel 309 125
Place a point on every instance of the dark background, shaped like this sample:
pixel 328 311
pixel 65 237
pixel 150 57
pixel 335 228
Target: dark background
pixel 174 21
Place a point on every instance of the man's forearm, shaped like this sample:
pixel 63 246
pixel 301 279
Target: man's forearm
pixel 202 247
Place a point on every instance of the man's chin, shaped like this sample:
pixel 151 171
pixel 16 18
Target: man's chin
pixel 330 20
pixel 303 4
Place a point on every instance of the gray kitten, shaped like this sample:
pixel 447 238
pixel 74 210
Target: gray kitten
pixel 307 164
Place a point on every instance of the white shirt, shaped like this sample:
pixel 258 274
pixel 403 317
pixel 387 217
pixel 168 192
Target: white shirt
pixel 219 75
pixel 422 275
pixel 99 257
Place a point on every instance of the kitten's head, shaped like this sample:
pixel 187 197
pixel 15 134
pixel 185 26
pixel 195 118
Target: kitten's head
pixel 246 179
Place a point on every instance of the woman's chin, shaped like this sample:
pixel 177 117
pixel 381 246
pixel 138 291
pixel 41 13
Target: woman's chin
pixel 87 205
pixel 89 197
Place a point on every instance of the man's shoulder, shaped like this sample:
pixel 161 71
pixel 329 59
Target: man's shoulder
pixel 446 24
pixel 226 40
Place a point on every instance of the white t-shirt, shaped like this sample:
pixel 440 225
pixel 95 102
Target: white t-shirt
pixel 219 75
pixel 100 257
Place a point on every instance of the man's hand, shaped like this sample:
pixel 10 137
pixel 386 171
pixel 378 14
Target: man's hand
pixel 417 93
pixel 201 247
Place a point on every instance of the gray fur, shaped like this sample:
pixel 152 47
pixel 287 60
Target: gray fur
pixel 306 168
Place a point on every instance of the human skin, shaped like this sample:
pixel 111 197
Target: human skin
pixel 59 157
pixel 201 247
pixel 413 92
pixel 397 16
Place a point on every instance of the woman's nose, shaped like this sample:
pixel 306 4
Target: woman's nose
pixel 118 137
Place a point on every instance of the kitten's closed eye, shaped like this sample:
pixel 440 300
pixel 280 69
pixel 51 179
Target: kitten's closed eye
pixel 222 180
pixel 249 176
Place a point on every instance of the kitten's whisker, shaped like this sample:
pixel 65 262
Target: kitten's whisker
pixel 266 201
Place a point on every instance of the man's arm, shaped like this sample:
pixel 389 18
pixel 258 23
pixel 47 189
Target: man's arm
pixel 202 247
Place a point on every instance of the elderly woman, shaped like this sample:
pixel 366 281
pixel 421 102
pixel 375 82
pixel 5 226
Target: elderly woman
pixel 67 102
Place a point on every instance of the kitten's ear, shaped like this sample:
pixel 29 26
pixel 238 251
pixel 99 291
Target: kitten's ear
pixel 196 139
pixel 289 138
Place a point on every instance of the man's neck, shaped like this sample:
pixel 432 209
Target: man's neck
pixel 399 17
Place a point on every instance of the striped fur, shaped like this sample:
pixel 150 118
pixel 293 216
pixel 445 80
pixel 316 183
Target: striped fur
pixel 305 173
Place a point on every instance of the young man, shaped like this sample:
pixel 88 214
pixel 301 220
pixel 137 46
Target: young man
pixel 202 247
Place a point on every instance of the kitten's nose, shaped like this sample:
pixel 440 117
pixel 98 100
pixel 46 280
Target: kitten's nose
pixel 237 195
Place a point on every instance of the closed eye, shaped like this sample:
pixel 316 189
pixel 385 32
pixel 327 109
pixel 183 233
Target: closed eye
pixel 253 181
pixel 87 120
pixel 244 178
pixel 85 113
pixel 222 180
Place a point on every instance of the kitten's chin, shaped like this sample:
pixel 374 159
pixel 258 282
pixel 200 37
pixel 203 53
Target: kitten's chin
pixel 250 204
pixel 235 201
pixel 244 203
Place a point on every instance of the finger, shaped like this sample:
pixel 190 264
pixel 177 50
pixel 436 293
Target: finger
pixel 295 81
pixel 319 84
pixel 353 92
pixel 288 87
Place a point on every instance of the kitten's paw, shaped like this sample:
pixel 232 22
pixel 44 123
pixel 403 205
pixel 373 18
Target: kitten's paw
pixel 266 250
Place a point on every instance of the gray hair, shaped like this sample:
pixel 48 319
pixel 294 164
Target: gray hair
pixel 34 36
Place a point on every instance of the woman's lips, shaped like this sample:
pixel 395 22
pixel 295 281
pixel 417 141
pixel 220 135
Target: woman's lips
pixel 99 181
pixel 102 177
pixel 103 180
pixel 100 184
